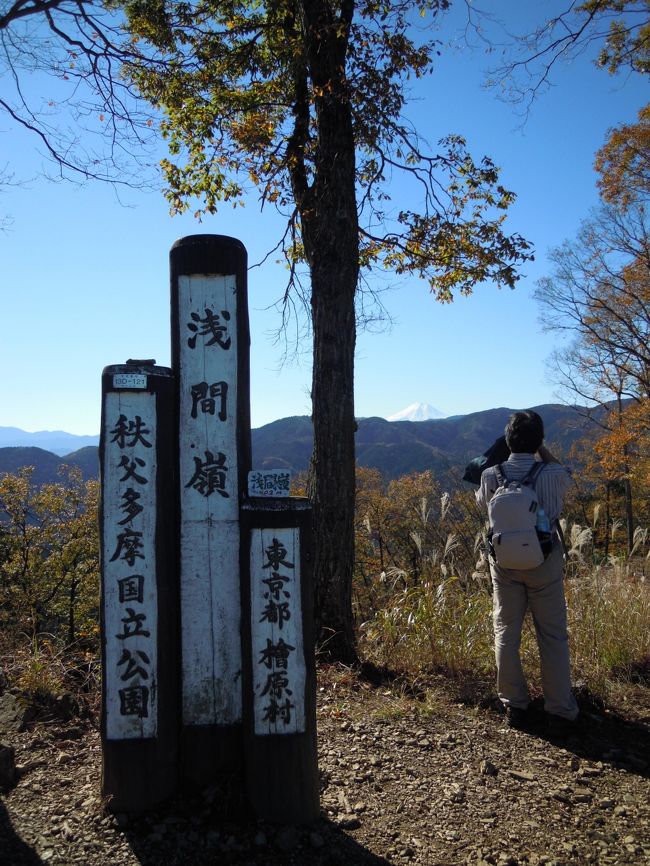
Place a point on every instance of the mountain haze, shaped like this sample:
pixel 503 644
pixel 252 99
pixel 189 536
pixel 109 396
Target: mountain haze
pixel 395 448
pixel 55 441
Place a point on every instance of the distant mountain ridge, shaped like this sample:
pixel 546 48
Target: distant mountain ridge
pixel 395 448
pixel 47 466
pixel 56 441
pixel 398 448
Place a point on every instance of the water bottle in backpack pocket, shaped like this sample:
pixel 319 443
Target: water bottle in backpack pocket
pixel 544 533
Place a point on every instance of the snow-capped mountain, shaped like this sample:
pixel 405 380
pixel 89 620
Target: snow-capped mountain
pixel 417 412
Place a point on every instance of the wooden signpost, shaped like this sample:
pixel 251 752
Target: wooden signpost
pixel 279 665
pixel 208 652
pixel 210 351
pixel 139 613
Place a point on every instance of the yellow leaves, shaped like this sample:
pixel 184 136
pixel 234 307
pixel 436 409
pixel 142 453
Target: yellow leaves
pixel 624 162
pixel 50 541
pixel 623 451
pixel 241 106
pixel 253 131
pixel 322 91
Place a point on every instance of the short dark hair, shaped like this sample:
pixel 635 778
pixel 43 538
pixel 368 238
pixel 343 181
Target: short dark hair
pixel 524 432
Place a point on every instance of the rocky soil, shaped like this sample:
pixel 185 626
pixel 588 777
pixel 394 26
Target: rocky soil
pixel 422 778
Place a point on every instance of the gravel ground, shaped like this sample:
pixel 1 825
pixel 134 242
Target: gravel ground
pixel 425 779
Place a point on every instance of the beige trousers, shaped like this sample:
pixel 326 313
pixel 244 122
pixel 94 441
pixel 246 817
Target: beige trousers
pixel 542 591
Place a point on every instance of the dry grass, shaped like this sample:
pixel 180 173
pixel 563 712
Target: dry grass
pixel 435 625
pixel 423 603
pixel 609 622
pixel 442 621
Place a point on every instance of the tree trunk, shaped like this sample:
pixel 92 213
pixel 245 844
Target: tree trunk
pixel 629 512
pixel 331 239
pixel 608 496
pixel 627 494
pixel 332 481
pixel 72 598
pixel 627 488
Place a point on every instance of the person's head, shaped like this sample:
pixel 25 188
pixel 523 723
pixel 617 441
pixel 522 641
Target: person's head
pixel 524 432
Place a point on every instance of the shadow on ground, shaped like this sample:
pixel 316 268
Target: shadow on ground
pixel 599 735
pixel 611 739
pixel 13 851
pixel 214 825
pixel 249 844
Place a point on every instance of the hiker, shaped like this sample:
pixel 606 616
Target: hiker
pixel 539 588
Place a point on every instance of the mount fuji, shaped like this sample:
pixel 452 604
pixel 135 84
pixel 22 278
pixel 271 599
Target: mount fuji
pixel 417 412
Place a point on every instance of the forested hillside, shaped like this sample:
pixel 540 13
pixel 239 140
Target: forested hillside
pixel 395 448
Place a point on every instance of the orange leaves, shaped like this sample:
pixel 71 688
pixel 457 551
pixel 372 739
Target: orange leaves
pixel 623 451
pixel 624 162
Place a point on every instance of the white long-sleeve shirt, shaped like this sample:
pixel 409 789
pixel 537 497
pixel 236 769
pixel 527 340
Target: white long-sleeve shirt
pixel 550 486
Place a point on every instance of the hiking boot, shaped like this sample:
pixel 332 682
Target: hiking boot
pixel 517 718
pixel 561 727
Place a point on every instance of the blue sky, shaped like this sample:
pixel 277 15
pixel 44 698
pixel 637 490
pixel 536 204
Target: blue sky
pixel 84 276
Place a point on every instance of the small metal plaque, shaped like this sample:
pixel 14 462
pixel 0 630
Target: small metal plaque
pixel 269 482
pixel 130 380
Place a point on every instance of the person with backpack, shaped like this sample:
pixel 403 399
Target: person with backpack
pixel 524 497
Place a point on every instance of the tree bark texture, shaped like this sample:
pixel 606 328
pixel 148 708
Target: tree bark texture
pixel 629 511
pixel 331 239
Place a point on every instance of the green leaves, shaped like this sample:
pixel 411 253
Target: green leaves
pixel 245 99
pixel 458 240
pixel 627 39
pixel 49 555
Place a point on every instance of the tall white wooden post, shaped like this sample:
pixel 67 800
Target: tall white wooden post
pixel 210 355
pixel 139 609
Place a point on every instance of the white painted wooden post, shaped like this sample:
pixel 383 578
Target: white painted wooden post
pixel 138 610
pixel 129 558
pixel 210 347
pixel 196 566
pixel 279 663
pixel 278 649
pixel 209 501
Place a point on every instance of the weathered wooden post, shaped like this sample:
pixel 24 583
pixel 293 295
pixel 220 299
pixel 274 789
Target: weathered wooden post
pixel 279 666
pixel 210 356
pixel 139 588
pixel 202 562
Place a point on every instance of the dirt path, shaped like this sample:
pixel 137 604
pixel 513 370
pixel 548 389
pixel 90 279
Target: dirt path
pixel 404 780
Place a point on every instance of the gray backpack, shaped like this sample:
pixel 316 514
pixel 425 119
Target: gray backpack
pixel 512 512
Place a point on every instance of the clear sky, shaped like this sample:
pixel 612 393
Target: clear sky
pixel 84 276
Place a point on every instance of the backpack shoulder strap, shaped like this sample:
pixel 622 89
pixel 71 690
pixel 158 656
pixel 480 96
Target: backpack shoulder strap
pixel 558 530
pixel 533 473
pixel 500 474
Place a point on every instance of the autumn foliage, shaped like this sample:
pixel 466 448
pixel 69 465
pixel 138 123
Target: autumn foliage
pixel 49 558
pixel 421 589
